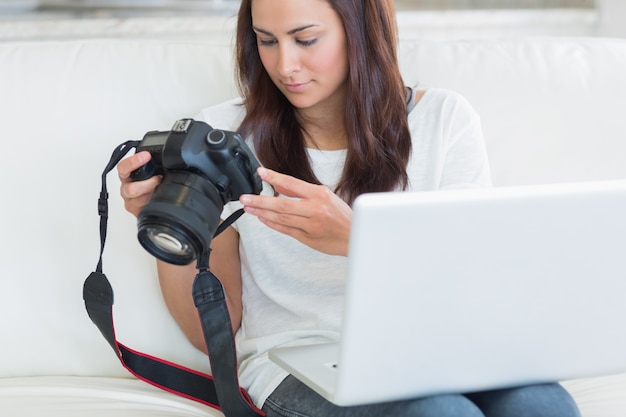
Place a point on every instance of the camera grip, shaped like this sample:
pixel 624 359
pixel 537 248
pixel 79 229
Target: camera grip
pixel 144 172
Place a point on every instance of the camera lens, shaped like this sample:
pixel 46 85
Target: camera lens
pixel 177 224
pixel 167 242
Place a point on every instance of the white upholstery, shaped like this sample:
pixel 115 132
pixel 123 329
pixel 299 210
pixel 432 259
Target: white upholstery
pixel 71 396
pixel 552 111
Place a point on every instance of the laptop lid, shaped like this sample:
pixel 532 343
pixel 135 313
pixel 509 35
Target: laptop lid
pixel 458 291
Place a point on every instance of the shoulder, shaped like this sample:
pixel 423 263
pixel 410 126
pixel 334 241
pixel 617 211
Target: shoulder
pixel 227 115
pixel 443 117
pixel 442 104
pixel 441 98
pixel 447 132
pixel 418 96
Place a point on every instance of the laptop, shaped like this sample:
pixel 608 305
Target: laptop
pixel 469 290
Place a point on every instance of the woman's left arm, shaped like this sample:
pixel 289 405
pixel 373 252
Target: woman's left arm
pixel 312 214
pixel 466 164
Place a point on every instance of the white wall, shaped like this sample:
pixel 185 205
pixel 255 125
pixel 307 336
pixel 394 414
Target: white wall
pixel 608 19
pixel 612 18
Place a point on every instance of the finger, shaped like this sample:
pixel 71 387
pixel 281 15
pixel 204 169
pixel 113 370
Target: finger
pixel 276 208
pixel 139 189
pixel 285 229
pixel 128 165
pixel 285 184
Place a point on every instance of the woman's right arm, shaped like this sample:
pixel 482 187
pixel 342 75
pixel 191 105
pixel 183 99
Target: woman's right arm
pixel 176 281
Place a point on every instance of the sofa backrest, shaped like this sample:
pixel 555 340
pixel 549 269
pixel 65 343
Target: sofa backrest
pixel 65 105
pixel 551 107
pixel 551 111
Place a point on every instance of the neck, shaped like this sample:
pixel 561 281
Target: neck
pixel 325 140
pixel 324 130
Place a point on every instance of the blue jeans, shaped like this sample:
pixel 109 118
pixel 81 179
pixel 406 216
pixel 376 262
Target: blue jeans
pixel 294 399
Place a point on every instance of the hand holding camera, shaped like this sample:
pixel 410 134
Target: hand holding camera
pixel 202 169
pixel 136 194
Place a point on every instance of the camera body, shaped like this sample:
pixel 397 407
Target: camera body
pixel 220 156
pixel 202 169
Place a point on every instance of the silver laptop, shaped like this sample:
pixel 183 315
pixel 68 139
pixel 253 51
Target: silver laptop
pixel 468 290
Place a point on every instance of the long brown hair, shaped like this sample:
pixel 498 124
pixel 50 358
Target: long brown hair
pixel 379 141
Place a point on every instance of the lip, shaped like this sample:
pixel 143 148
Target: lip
pixel 296 88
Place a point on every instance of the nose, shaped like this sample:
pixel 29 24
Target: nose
pixel 288 60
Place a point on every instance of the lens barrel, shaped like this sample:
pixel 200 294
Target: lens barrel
pixel 178 223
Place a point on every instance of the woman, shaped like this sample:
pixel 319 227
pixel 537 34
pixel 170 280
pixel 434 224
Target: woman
pixel 327 114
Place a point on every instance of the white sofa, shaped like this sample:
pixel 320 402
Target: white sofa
pixel 552 110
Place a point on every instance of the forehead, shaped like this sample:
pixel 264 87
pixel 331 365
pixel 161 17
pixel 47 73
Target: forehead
pixel 278 16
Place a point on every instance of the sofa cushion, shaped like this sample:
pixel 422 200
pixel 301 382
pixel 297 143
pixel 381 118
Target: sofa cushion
pixel 66 396
pixel 603 396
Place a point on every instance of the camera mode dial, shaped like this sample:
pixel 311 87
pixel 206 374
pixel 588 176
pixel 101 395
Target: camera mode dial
pixel 216 139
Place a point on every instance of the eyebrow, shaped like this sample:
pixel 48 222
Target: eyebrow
pixel 291 32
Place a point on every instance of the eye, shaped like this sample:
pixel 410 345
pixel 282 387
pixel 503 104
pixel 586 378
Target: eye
pixel 307 42
pixel 267 42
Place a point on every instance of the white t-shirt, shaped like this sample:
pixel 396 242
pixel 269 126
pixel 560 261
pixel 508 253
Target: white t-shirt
pixel 293 294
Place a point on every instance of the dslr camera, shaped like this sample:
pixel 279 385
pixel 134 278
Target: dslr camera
pixel 202 169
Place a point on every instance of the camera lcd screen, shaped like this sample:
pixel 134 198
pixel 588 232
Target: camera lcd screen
pixel 154 139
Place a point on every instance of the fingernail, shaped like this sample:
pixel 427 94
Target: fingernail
pixel 244 199
pixel 262 172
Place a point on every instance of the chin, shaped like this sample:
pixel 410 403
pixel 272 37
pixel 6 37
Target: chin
pixel 300 103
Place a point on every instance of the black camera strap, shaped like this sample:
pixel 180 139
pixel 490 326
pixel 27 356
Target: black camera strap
pixel 220 390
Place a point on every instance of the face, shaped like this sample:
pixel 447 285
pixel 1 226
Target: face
pixel 302 46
